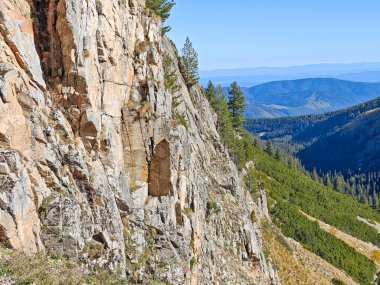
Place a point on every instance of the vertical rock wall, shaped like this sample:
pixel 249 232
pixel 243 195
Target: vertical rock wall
pixel 94 163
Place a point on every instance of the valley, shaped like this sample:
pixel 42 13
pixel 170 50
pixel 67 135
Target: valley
pixel 341 147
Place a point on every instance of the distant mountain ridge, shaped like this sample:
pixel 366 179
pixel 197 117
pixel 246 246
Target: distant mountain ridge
pixel 247 77
pixel 306 96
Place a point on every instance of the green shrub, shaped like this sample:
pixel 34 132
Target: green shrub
pixel 193 262
pixel 253 217
pixel 94 250
pixel 337 282
pixel 170 76
pixel 181 118
pixel 214 207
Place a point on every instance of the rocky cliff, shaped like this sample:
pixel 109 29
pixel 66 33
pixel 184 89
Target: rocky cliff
pixel 98 164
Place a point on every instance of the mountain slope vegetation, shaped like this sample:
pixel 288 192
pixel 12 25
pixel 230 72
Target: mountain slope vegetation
pixel 306 96
pixel 341 148
pixel 345 140
pixel 292 192
pixel 355 147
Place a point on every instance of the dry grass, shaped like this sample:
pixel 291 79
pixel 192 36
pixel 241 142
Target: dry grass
pixel 43 270
pixel 290 270
pixel 333 231
pixel 375 256
pixel 295 264
pixel 141 47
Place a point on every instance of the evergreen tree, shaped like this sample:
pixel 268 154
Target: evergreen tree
pixel 315 175
pixel 360 193
pixel 210 92
pixel 363 198
pixel 339 183
pixel 238 148
pixel 376 202
pixel 170 75
pixel 289 162
pixel 224 123
pixel 370 201
pixel 238 152
pixel 189 64
pixel 161 8
pixel 278 155
pixel 269 148
pixel 327 180
pixel 236 102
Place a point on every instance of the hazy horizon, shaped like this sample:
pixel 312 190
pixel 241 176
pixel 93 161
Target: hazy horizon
pixel 247 77
pixel 288 66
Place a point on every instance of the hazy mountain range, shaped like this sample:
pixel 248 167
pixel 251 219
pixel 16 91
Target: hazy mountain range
pixel 247 77
pixel 306 96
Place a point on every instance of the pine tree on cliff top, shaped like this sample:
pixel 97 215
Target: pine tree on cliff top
pixel 189 63
pixel 236 102
pixel 161 8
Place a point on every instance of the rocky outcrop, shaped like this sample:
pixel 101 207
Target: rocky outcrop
pixel 94 163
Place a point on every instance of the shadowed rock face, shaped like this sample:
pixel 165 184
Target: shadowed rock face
pixel 159 172
pixel 92 158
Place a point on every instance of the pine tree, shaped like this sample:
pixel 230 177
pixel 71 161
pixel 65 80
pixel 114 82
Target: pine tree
pixel 189 64
pixel 290 162
pixel 236 102
pixel 170 75
pixel 327 180
pixel 210 91
pixel 376 202
pixel 238 148
pixel 278 155
pixel 370 201
pixel 315 175
pixel 269 148
pixel 339 183
pixel 224 124
pixel 161 8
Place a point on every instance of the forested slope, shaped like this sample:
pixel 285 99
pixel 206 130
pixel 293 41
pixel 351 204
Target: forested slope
pixel 342 147
pixel 306 129
pixel 291 193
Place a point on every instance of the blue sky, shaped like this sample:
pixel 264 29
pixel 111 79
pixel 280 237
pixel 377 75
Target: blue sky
pixel 250 33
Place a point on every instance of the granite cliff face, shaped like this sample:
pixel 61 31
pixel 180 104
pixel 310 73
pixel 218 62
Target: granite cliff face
pixel 96 165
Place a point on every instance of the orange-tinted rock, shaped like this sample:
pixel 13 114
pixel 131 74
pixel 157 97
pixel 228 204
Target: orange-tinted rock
pixel 159 171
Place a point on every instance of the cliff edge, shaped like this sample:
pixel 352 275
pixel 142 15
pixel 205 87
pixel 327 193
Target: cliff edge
pixel 102 164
